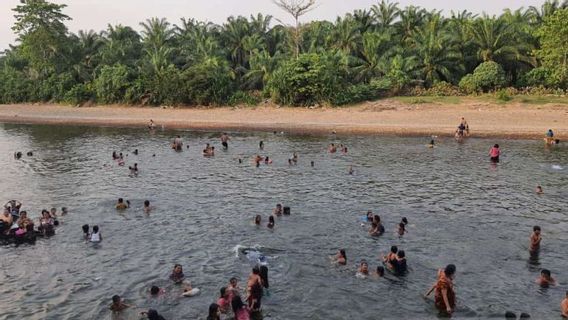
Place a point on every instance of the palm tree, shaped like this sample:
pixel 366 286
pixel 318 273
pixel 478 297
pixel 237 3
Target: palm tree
pixel 546 9
pixel 345 36
pixel 364 20
pixel 437 52
pixel 459 26
pixel 262 66
pixel 411 18
pixel 377 49
pixel 385 13
pixel 122 45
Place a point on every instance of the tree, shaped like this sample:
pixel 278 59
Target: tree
pixel 296 8
pixel 553 35
pixel 385 13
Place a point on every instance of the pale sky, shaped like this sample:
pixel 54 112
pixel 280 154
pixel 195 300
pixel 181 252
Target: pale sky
pixel 96 14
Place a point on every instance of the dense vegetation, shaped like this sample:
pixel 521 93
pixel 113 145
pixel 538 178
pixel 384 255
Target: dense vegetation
pixel 385 50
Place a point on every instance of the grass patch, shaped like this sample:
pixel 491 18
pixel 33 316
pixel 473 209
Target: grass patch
pixel 428 99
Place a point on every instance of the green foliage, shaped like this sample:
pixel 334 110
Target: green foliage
pixel 503 96
pixel 369 53
pixel 306 81
pixel 487 76
pixel 112 82
pixel 242 97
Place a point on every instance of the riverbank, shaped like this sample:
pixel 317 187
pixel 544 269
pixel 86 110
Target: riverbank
pixel 383 117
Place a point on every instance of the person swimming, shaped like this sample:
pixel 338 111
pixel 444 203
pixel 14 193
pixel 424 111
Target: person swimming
pixel 391 256
pixel 278 210
pixel 178 277
pixel 267 160
pixel 401 229
pixel 147 207
pixel 254 289
pixel 257 220
pixel 118 304
pixel 86 233
pixel 494 153
pixel 340 258
pixel 545 280
pixel 177 144
pixel 270 224
pixel 134 169
pixel 363 269
pixel 351 170
pixel 539 190
pixel 121 205
pixel 223 301
pixel 432 144
pixel 380 272
pixel 261 145
pixel 214 312
pixel 151 125
pixel 332 148
pixel 224 140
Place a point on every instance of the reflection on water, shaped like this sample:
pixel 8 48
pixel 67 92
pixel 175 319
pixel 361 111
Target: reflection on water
pixel 461 209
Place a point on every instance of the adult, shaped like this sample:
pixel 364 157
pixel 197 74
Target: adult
pixel 225 140
pixel 494 153
pixel 177 145
pixel 444 296
pixel 214 312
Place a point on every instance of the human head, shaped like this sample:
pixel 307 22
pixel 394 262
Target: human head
pixel 394 249
pixel 545 273
pixel 153 315
pixel 342 253
pixel 271 219
pixel 223 292
pixel 536 229
pixel 496 146
pixel 64 209
pixel 116 299
pixel 95 229
pixel 233 281
pixel 404 220
pixel 120 200
pixel 85 228
pixel 178 268
pixel 214 311
pixel 45 213
pixel 380 271
pixel 53 210
pixel 401 254
pixel 256 270
pixel 23 214
pixel 237 303
pixel 364 268
pixel 450 270
pixel 279 206
pixel 257 219
pixel 376 219
pixel 146 203
pixel 510 315
pixel 154 290
pixel 524 315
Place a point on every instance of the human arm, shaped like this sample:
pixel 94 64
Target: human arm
pixel 446 301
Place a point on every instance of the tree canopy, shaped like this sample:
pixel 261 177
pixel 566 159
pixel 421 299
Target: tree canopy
pixel 366 54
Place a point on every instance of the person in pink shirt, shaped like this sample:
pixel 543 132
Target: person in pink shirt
pixel 494 153
pixel 224 302
pixel 241 311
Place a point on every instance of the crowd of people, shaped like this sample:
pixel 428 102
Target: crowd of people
pixel 17 226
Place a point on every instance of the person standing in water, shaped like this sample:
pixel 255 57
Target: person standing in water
pixel 261 145
pixel 340 258
pixel 151 125
pixel 225 140
pixel 445 297
pixel 535 240
pixel 494 153
pixel 177 144
pixel 564 306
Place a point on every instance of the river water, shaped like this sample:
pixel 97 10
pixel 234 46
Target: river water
pixel 461 208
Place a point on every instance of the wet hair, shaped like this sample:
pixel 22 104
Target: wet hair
pixel 545 272
pixel 146 203
pixel 95 229
pixel 271 219
pixel 178 265
pixel 312 163
pixel 404 220
pixel 377 217
pixel 524 315
pixel 257 219
pixel 223 291
pixel 450 270
pixel 154 290
pixel 85 228
pixel 536 228
pixel 237 303
pixel 154 315
pixel 342 252
pixel 279 205
pixel 394 249
pixel 364 262
pixel 496 146
pixel 213 309
pixel 256 270
pixel 401 254
pixel 120 200
pixel 380 271
pixel 510 315
pixel 233 279
pixel 116 298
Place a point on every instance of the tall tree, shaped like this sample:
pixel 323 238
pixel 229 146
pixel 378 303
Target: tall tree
pixel 296 8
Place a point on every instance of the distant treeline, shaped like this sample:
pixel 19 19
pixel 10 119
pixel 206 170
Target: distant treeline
pixel 384 50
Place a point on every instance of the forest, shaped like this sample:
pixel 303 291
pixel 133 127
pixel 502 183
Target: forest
pixel 376 52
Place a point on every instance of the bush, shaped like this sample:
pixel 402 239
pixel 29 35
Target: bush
pixel 163 87
pixel 243 97
pixel 79 93
pixel 14 86
pixel 502 95
pixel 487 76
pixel 308 80
pixel 112 82
pixel 208 82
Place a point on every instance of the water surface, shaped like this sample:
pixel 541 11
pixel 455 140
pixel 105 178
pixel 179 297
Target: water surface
pixel 461 209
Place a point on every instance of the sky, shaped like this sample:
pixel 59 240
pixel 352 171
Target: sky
pixel 97 14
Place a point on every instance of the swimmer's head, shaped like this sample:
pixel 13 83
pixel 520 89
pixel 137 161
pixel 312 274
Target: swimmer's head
pixel 116 299
pixel 154 290
pixel 342 253
pixel 233 281
pixel 524 315
pixel 394 249
pixel 450 270
pixel 496 146
pixel 364 266
pixel 178 268
pixel 257 219
pixel 510 315
pixel 401 254
pixel 536 229
pixel 545 273
pixel 85 228
pixel 146 203
pixel 404 220
pixel 380 271
pixel 120 200
pixel 255 270
pixel 95 229
pixel 271 219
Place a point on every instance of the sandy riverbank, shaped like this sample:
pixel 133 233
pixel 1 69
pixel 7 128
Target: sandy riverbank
pixel 386 117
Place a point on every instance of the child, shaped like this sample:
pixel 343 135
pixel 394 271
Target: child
pixel 539 190
pixel 120 205
pixel 239 309
pixel 401 229
pixel 380 272
pixel 86 234
pixel 392 255
pixel 494 153
pixel 223 301
pixel 156 291
pixel 535 239
pixel 340 257
pixel 147 207
pixel 545 279
pixel 257 220
pixel 118 304
pixel 233 288
pixel 64 211
pixel 96 235
pixel 270 222
pixel 363 269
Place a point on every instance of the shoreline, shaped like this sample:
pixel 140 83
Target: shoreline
pixel 383 117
